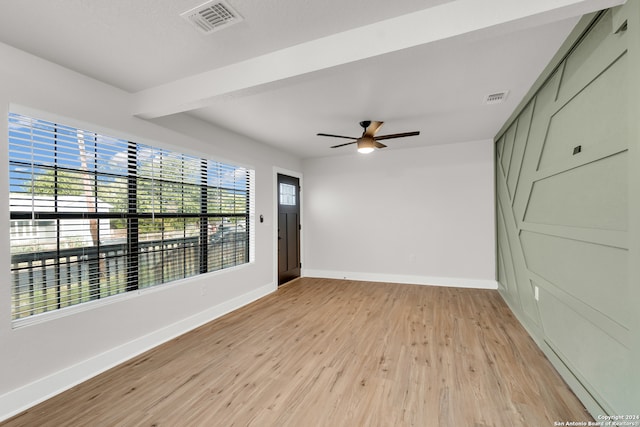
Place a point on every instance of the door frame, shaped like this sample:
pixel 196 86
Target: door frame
pixel 274 263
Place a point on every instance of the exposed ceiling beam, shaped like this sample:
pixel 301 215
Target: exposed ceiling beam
pixel 453 19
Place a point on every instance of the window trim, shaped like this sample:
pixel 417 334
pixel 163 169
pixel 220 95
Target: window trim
pixel 249 215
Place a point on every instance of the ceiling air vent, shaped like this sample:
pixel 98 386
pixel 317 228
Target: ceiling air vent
pixel 496 98
pixel 212 16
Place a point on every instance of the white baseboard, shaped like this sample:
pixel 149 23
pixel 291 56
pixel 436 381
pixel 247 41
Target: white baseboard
pixel 453 282
pixel 18 400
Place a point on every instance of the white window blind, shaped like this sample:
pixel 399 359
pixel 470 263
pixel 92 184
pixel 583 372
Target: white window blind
pixel 94 216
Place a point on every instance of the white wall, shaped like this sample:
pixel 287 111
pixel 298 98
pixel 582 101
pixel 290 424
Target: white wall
pixel 420 215
pixel 40 359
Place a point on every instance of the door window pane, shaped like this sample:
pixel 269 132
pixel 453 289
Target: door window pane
pixel 287 194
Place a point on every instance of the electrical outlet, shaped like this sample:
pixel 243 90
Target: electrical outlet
pixel 536 293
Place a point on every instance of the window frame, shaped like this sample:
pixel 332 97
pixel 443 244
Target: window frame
pixel 132 217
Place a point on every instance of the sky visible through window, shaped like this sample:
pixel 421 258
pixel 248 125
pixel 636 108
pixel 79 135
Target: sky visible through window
pixel 103 155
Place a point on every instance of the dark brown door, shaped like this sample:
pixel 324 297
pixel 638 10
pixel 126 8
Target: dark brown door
pixel 288 228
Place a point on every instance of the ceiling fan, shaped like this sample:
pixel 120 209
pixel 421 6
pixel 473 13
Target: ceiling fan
pixel 368 141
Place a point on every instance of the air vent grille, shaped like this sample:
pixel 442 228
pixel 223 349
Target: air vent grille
pixel 212 16
pixel 496 98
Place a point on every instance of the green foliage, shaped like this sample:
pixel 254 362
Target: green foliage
pixel 69 183
pixel 152 197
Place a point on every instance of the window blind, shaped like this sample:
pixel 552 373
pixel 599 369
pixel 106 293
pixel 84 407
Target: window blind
pixel 94 216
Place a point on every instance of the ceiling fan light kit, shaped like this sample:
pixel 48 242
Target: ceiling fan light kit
pixel 368 142
pixel 366 145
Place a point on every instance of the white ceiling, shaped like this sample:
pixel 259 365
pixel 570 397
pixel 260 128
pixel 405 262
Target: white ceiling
pixel 293 68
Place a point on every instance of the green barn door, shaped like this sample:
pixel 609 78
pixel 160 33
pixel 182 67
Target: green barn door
pixel 563 218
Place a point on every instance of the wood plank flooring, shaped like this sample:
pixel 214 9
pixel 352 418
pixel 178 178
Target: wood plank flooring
pixel 322 352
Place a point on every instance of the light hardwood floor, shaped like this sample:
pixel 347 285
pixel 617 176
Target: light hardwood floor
pixel 324 352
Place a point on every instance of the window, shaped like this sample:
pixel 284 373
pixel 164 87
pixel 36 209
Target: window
pixel 94 216
pixel 287 194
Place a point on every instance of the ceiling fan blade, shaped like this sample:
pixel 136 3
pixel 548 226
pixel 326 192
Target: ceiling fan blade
pixel 336 136
pixel 396 135
pixel 342 145
pixel 379 144
pixel 372 129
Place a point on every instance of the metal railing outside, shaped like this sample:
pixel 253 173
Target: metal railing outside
pixel 50 280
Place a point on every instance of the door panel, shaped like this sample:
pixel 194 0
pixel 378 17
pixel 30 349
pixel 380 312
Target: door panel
pixel 288 228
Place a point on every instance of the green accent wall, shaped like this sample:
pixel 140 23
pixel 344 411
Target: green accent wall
pixel 568 211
